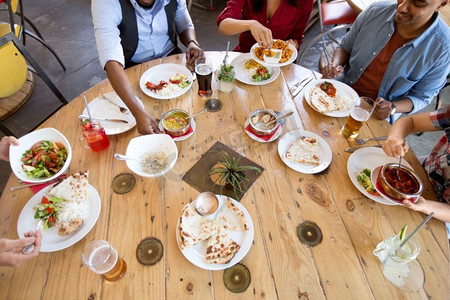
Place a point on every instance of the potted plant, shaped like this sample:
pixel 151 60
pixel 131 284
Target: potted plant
pixel 228 173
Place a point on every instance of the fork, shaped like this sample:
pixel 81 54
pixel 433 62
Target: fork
pixel 363 141
pixel 29 248
pixel 123 110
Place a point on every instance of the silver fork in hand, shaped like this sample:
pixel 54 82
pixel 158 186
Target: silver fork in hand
pixel 29 248
pixel 363 141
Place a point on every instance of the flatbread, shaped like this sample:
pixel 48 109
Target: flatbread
pixel 220 245
pixel 322 101
pixel 195 228
pixel 304 151
pixel 230 217
pixel 73 188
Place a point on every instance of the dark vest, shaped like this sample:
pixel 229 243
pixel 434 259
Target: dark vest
pixel 129 36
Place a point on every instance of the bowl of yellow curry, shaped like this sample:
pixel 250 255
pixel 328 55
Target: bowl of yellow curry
pixel 176 122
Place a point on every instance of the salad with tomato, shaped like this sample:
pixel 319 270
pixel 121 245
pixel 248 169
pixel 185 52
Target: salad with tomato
pixel 47 211
pixel 44 159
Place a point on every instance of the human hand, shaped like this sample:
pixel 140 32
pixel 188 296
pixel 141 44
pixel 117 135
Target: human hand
pixel 261 34
pixel 293 43
pixel 332 70
pixel 11 250
pixel 192 53
pixel 395 147
pixel 146 124
pixel 4 146
pixel 383 108
pixel 420 205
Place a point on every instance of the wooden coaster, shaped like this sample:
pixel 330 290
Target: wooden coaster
pixel 11 104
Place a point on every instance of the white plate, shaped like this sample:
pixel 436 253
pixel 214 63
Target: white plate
pixel 341 89
pixel 105 109
pixel 183 137
pixel 164 72
pixel 289 61
pixel 25 143
pixel 369 157
pixel 325 153
pixel 242 75
pixel 51 240
pixel 197 253
pixel 258 139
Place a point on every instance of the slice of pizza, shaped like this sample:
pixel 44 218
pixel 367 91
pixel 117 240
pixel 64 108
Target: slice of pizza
pixel 304 151
pixel 221 248
pixel 321 101
pixel 230 217
pixel 194 228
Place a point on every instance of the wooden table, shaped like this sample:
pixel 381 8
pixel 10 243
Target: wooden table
pixel 341 267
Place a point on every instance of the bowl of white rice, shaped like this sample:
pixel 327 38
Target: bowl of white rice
pixel 156 155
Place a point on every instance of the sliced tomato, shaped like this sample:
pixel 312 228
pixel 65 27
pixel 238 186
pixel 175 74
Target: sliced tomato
pixel 49 209
pixel 375 193
pixel 51 220
pixel 60 146
pixel 44 200
pixel 33 148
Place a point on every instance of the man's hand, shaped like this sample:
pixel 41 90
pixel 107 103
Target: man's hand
pixel 332 70
pixel 4 146
pixel 395 147
pixel 192 53
pixel 11 250
pixel 383 108
pixel 261 34
pixel 146 124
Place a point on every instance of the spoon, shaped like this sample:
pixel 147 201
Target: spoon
pixel 154 163
pixel 29 248
pixel 265 126
pixel 212 105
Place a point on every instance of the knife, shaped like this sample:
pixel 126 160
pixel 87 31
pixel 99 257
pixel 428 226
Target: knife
pixel 351 150
pixel 302 85
pixel 103 119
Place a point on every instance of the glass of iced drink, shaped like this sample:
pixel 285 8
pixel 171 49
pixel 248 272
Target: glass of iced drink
pixel 95 135
pixel 103 259
pixel 358 116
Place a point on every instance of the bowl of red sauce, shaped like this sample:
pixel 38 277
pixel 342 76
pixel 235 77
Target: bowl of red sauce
pixel 400 183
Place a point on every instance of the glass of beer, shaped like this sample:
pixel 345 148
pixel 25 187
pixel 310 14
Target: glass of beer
pixel 103 259
pixel 358 116
pixel 203 70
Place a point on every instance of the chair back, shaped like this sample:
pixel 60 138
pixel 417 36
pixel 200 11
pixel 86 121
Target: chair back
pixel 335 13
pixel 13 72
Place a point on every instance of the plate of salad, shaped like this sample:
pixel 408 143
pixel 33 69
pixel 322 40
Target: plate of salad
pixel 42 206
pixel 41 155
pixel 250 72
pixel 166 81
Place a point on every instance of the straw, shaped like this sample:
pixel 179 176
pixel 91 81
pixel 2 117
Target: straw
pixel 226 54
pixel 417 229
pixel 87 108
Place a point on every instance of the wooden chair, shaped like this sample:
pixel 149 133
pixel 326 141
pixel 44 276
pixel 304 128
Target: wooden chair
pixel 337 13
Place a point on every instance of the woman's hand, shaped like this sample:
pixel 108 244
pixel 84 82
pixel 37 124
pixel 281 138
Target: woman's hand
pixel 11 250
pixel 395 147
pixel 4 146
pixel 261 34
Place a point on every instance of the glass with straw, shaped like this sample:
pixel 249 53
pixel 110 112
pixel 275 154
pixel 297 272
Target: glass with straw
pixel 94 133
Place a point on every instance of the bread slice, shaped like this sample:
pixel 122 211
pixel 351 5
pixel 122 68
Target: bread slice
pixel 230 217
pixel 322 101
pixel 304 151
pixel 221 248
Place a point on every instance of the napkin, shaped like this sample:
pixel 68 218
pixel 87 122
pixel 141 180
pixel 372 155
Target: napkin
pixel 264 137
pixel 178 136
pixel 36 188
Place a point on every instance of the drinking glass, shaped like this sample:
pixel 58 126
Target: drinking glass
pixel 103 259
pixel 203 70
pixel 95 135
pixel 396 263
pixel 226 78
pixel 358 116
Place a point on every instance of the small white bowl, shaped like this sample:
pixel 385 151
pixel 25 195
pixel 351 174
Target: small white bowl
pixel 275 58
pixel 140 145
pixel 25 143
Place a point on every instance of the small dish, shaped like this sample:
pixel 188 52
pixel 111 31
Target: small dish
pixel 140 145
pixel 258 119
pixel 274 57
pixel 26 142
pixel 253 136
pixel 176 122
pixel 184 136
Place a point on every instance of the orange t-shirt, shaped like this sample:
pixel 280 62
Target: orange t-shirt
pixel 369 82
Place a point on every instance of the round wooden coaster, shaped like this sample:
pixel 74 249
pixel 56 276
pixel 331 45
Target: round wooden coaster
pixel 11 104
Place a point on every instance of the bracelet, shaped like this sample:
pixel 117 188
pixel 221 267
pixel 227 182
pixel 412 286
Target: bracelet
pixel 193 41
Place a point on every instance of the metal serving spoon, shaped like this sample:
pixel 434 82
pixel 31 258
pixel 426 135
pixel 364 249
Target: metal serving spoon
pixel 265 126
pixel 212 105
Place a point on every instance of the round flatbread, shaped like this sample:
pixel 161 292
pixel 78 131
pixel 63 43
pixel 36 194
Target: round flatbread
pixel 230 217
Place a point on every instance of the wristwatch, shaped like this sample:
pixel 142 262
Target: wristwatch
pixel 393 108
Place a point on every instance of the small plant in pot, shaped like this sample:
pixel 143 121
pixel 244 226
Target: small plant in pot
pixel 228 173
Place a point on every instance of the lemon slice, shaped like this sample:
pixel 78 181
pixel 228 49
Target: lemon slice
pixel 403 233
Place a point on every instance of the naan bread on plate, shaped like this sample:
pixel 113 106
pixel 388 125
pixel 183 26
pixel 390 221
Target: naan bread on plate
pixel 195 228
pixel 220 249
pixel 73 188
pixel 220 246
pixel 328 102
pixel 304 151
pixel 73 191
pixel 230 217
